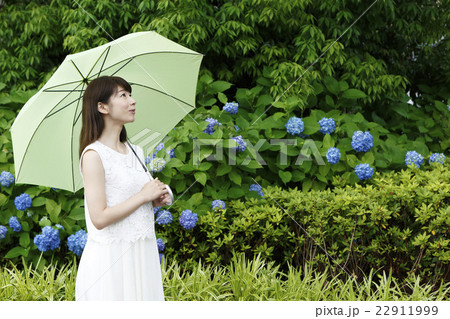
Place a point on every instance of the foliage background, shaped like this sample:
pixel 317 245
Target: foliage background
pixel 254 51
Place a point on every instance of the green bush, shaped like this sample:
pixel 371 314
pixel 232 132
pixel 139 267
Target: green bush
pixel 397 221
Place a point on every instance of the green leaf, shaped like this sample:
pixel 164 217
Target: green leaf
pixel 219 86
pixel 327 142
pixel 53 209
pixel 223 169
pixel 201 177
pixel 3 199
pixel 311 125
pixel 236 192
pixel 24 239
pixel 352 160
pixel 353 94
pixel 306 185
pixel 15 252
pixel 195 199
pixel 331 84
pixel 367 158
pixel 39 201
pixel 77 214
pixel 235 177
pixel 222 98
pixel 285 176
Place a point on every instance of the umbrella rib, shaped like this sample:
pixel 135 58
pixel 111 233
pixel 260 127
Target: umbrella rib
pixel 131 59
pixel 48 89
pixel 48 115
pixel 71 144
pixel 78 70
pixel 148 87
pixel 103 63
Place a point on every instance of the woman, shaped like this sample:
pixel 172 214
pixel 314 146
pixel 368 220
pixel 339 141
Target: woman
pixel 120 260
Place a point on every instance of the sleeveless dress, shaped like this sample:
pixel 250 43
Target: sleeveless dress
pixel 121 261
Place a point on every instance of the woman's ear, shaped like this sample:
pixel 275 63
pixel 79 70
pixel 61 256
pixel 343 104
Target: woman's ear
pixel 102 108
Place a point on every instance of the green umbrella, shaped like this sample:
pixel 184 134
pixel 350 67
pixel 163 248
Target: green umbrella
pixel 45 135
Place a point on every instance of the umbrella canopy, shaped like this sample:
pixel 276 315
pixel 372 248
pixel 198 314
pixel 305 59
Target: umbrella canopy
pixel 45 135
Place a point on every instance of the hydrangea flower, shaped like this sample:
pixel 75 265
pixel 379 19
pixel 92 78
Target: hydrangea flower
pixel 160 244
pixel 161 256
pixel 171 153
pixel 218 205
pixel 23 201
pixel 77 241
pixel 231 107
pixel 48 240
pixel 295 126
pixel 157 165
pixel 437 158
pixel 164 217
pixel 241 143
pixel 156 209
pixel 333 155
pixel 14 224
pixel 256 187
pixel 362 141
pixel 210 128
pixel 6 179
pixel 412 157
pixel 59 226
pixel 363 171
pixel 30 214
pixel 188 219
pixel 236 127
pixel 327 125
pixel 3 231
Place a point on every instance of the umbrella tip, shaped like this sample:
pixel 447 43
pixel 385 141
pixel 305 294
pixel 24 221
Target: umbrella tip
pixel 85 80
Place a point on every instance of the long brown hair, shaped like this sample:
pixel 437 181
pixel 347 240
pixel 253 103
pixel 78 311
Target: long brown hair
pixel 98 90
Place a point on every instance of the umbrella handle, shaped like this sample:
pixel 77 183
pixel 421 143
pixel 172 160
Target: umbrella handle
pixel 169 190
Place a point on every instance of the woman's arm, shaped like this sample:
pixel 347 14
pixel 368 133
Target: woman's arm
pixel 94 189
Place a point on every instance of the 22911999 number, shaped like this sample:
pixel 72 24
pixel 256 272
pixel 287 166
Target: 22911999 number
pixel 407 310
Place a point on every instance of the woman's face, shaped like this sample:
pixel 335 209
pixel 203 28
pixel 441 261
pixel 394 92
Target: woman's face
pixel 121 106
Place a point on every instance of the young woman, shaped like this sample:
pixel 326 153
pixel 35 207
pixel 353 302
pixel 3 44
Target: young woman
pixel 120 260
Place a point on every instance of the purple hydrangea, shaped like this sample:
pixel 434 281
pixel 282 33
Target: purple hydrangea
pixel 156 209
pixel 437 158
pixel 333 155
pixel 241 143
pixel 160 244
pixel 3 231
pixel 164 217
pixel 413 158
pixel 363 171
pixel 362 141
pixel 23 201
pixel 188 219
pixel 14 224
pixel 48 240
pixel 218 205
pixel 6 179
pixel 211 123
pixel 231 107
pixel 295 126
pixel 77 241
pixel 257 188
pixel 157 165
pixel 327 125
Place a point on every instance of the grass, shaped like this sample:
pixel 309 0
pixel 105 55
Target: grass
pixel 241 280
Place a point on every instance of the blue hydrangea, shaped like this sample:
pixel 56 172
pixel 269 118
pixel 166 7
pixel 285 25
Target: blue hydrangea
pixel 3 231
pixel 156 209
pixel 14 224
pixel 236 127
pixel 6 179
pixel 164 217
pixel 362 141
pixel 77 242
pixel 23 201
pixel 295 126
pixel 437 158
pixel 241 143
pixel 48 240
pixel 218 205
pixel 59 226
pixel 333 155
pixel 211 123
pixel 171 153
pixel 412 157
pixel 157 165
pixel 231 107
pixel 188 219
pixel 327 125
pixel 363 171
pixel 160 244
pixel 256 187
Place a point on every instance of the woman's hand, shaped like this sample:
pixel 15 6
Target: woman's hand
pixel 153 190
pixel 162 200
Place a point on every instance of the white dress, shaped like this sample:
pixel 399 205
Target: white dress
pixel 121 261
